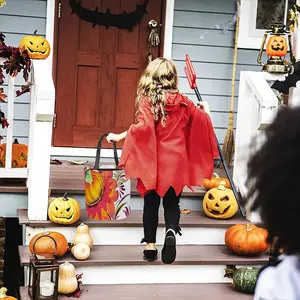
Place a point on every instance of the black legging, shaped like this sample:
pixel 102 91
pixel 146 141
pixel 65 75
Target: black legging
pixel 150 215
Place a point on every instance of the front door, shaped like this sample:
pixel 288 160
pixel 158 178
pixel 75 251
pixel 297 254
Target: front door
pixel 97 72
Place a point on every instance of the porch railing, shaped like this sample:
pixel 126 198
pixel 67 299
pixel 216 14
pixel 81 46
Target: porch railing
pixel 257 107
pixel 40 135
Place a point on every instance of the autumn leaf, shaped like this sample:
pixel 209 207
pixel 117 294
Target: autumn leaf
pixel 2 95
pixel 3 120
pixel 24 89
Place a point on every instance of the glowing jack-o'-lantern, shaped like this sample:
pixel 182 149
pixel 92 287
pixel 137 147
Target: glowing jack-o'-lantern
pixel 37 46
pixel 276 46
pixel 64 210
pixel 220 203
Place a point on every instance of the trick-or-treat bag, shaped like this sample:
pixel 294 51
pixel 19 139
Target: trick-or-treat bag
pixel 107 192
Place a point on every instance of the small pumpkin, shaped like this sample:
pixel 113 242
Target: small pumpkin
pixel 83 235
pixel 45 246
pixel 276 46
pixel 215 182
pixel 64 210
pixel 37 46
pixel 244 279
pixel 246 239
pixel 3 295
pixel 19 155
pixel 220 203
pixel 67 280
pixel 81 251
pixel 94 187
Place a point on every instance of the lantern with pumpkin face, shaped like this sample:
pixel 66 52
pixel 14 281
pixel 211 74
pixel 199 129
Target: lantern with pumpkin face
pixel 220 203
pixel 64 210
pixel 37 46
pixel 276 46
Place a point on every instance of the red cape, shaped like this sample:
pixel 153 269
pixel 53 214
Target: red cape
pixel 179 154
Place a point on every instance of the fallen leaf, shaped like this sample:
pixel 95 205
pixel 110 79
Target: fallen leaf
pixel 185 211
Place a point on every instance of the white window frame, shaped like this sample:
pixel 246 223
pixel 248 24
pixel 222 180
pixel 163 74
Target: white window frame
pixel 249 36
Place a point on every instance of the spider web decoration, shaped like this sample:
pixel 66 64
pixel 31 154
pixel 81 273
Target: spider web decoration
pixel 122 21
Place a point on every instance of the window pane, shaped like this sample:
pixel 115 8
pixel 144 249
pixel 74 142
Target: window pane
pixel 269 12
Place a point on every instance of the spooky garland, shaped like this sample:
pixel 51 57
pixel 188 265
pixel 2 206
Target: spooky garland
pixel 121 21
pixel 16 60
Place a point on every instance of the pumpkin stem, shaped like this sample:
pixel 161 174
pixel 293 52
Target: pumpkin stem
pixel 248 227
pixel 16 141
pixel 222 186
pixel 230 270
pixel 3 292
pixel 35 32
pixel 215 175
pixel 65 197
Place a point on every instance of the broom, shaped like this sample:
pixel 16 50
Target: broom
pixel 228 146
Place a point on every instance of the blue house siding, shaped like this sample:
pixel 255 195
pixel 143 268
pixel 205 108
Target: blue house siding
pixel 19 18
pixel 212 55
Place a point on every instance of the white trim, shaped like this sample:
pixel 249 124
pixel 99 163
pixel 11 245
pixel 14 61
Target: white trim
pixel 81 152
pixel 168 34
pixel 50 28
pixel 14 173
pixel 169 21
pixel 249 36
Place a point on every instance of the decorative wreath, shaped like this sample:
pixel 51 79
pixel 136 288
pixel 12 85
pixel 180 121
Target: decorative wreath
pixel 121 21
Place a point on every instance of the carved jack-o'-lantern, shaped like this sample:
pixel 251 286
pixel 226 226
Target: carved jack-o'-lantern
pixel 64 210
pixel 37 46
pixel 220 203
pixel 19 155
pixel 276 46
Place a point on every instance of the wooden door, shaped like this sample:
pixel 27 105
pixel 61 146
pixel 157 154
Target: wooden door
pixel 97 72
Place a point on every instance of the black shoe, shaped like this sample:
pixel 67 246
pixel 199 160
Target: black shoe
pixel 150 254
pixel 169 250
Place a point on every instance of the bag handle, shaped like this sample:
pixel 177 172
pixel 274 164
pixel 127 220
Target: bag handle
pixel 99 146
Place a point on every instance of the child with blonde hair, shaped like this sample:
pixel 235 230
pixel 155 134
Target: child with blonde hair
pixel 172 145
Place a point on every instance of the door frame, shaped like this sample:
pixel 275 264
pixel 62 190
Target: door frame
pixel 51 36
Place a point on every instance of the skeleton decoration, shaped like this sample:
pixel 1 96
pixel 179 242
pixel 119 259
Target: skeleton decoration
pixel 153 39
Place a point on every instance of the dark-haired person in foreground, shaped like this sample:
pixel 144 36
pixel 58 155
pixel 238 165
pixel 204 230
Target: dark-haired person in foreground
pixel 274 178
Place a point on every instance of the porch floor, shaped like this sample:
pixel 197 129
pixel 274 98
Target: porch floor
pixel 69 178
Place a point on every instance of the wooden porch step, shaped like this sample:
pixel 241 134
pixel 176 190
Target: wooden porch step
pixel 207 291
pixel 193 219
pixel 132 256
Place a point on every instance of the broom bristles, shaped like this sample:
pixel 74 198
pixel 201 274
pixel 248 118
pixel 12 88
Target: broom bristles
pixel 228 146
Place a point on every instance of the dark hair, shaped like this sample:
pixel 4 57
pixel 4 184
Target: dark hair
pixel 274 180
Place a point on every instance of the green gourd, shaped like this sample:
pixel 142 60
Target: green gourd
pixel 244 279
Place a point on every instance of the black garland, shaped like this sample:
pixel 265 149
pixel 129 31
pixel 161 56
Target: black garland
pixel 121 21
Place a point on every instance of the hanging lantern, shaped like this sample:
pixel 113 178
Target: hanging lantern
pixel 43 275
pixel 276 50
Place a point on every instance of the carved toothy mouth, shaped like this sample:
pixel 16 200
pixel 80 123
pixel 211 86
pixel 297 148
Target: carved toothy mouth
pixel 65 218
pixel 35 51
pixel 215 212
pixel 278 48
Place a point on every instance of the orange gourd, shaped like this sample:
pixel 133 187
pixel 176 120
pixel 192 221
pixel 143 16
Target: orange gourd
pixel 276 46
pixel 45 246
pixel 19 155
pixel 214 182
pixel 246 239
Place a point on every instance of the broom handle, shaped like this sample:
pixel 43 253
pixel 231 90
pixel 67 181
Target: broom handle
pixel 235 192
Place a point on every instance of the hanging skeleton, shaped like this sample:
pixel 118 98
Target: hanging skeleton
pixel 153 39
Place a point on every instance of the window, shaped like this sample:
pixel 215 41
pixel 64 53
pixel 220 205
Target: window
pixel 256 16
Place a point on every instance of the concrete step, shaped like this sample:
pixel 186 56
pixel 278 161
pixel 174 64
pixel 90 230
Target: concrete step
pixel 125 265
pixel 158 291
pixel 197 229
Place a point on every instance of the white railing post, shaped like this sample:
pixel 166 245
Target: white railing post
pixel 257 106
pixel 10 118
pixel 40 137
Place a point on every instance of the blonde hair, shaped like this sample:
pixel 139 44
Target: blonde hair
pixel 159 77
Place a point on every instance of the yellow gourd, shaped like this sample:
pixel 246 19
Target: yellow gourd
pixel 67 281
pixel 83 235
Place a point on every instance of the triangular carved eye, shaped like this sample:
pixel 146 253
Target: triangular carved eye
pixel 224 199
pixel 210 196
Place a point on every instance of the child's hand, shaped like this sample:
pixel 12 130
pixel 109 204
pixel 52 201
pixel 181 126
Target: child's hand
pixel 204 105
pixel 112 137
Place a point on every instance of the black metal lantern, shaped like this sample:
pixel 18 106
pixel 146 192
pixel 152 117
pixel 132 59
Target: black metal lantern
pixel 43 275
pixel 276 50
